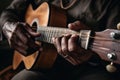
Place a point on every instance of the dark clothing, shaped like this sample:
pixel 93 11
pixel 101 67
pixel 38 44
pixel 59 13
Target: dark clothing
pixel 97 14
pixel 83 72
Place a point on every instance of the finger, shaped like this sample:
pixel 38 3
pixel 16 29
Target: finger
pixel 18 45
pixel 27 47
pixel 18 39
pixel 57 43
pixel 33 46
pixel 77 25
pixel 74 26
pixel 72 43
pixel 21 35
pixel 64 43
pixel 74 46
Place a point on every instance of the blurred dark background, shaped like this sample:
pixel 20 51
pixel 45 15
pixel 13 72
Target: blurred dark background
pixel 4 4
pixel 6 53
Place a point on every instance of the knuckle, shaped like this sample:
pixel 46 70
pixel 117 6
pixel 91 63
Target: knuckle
pixel 72 48
pixel 64 49
pixel 59 50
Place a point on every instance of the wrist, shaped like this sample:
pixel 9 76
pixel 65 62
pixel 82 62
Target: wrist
pixel 8 29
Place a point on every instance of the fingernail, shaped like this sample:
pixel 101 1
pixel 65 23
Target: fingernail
pixel 69 25
pixel 53 39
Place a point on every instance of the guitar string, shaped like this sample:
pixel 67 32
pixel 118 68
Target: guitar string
pixel 98 38
pixel 59 32
pixel 105 39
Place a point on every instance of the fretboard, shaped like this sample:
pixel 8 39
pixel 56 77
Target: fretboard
pixel 47 33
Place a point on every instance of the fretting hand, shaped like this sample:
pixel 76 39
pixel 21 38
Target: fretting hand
pixel 68 44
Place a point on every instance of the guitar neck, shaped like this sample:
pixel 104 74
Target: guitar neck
pixel 48 32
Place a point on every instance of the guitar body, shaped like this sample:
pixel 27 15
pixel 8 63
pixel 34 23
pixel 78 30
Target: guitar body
pixel 44 15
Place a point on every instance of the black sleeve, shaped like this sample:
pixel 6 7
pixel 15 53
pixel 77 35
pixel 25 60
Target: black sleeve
pixel 97 14
pixel 14 12
pixel 114 15
pixel 106 14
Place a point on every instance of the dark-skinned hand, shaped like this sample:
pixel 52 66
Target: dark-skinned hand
pixel 68 44
pixel 21 37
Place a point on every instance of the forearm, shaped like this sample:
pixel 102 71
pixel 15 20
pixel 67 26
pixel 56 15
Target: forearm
pixel 13 13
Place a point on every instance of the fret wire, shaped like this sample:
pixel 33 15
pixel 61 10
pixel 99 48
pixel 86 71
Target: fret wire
pixel 48 35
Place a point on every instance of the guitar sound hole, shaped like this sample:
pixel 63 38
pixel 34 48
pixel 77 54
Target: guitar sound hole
pixel 34 26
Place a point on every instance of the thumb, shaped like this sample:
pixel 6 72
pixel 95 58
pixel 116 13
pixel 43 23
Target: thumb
pixel 77 25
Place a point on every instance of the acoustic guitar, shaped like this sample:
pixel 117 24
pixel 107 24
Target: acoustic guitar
pixel 44 15
pixel 50 21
